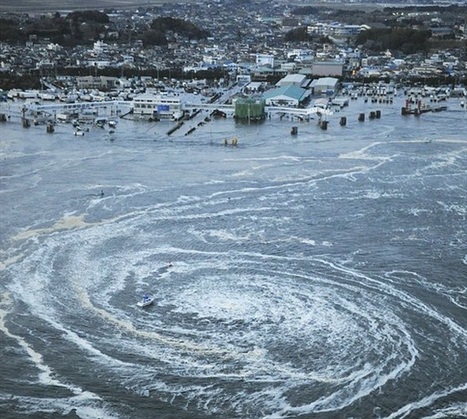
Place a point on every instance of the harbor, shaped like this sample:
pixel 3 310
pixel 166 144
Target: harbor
pixel 188 113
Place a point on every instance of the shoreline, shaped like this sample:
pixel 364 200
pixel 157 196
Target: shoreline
pixel 353 115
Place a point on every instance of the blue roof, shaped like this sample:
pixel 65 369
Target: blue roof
pixel 291 91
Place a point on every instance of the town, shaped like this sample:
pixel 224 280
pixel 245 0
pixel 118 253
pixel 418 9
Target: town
pixel 281 54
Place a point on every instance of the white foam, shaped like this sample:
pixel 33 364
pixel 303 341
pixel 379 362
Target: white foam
pixel 454 410
pixel 226 314
pixel 426 401
pixel 85 405
pixel 45 375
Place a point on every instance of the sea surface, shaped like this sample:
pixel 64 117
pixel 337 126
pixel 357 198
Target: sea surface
pixel 319 275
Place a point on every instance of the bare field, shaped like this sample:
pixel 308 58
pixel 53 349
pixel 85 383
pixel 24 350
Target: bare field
pixel 36 6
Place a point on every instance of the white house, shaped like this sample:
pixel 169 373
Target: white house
pixel 99 47
pixel 300 55
pixel 265 60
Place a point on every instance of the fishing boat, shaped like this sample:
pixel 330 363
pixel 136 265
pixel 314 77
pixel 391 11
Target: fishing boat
pixel 145 301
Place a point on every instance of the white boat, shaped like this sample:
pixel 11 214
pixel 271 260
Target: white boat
pixel 145 301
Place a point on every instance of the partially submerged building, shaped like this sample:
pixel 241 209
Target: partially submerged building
pixel 158 106
pixel 249 109
pixel 325 85
pixel 288 95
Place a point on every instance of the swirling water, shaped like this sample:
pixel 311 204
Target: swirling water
pixel 321 275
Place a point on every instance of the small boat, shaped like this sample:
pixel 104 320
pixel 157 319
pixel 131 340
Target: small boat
pixel 145 301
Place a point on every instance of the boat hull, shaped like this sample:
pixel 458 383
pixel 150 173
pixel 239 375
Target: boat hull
pixel 145 303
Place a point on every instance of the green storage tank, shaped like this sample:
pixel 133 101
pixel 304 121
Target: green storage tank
pixel 250 109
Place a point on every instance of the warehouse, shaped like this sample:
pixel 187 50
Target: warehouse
pixel 291 96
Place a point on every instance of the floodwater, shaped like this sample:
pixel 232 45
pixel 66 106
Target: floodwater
pixel 317 275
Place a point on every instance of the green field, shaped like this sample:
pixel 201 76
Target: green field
pixel 36 6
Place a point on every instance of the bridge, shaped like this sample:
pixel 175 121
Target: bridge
pixel 300 112
pixel 76 107
pixel 305 113
pixel 211 107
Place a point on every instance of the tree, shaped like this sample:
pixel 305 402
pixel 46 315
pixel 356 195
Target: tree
pixel 180 26
pixel 10 30
pixel 89 16
pixel 406 40
pixel 154 37
pixel 299 34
